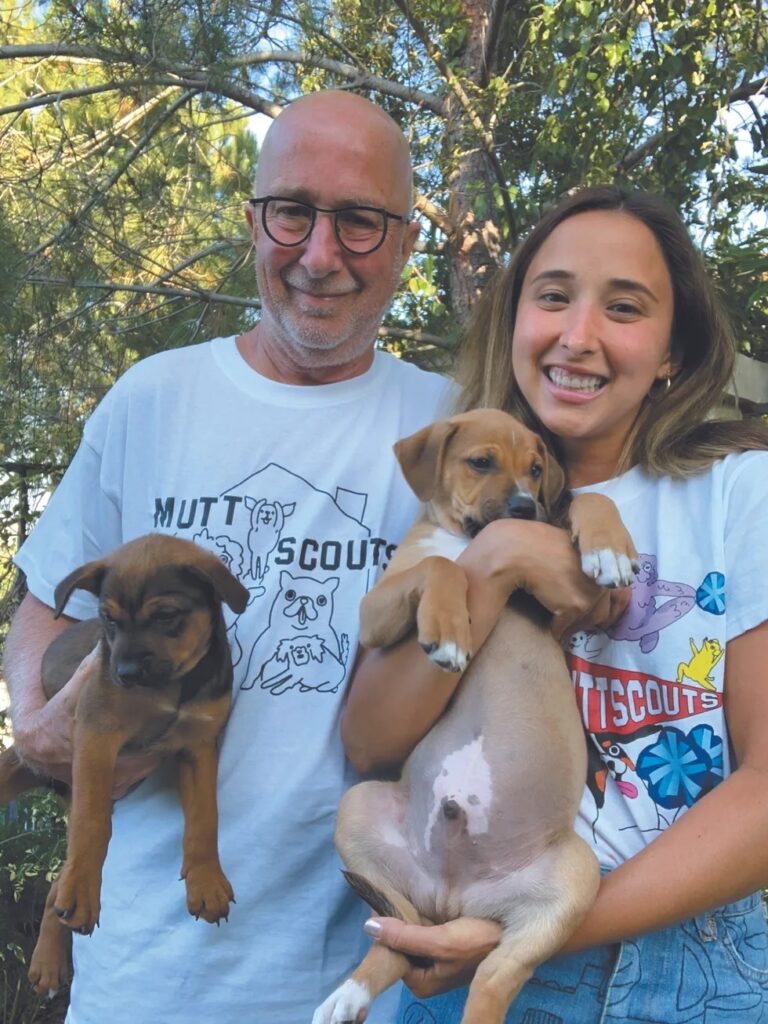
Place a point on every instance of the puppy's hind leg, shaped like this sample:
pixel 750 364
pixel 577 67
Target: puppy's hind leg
pixel 366 827
pixel 543 915
pixel 49 967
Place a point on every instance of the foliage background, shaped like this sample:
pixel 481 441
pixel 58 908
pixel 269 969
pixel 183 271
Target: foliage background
pixel 127 149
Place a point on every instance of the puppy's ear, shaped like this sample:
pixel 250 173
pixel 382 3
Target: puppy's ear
pixel 227 587
pixel 421 456
pixel 553 480
pixel 88 577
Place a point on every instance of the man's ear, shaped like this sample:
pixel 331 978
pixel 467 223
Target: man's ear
pixel 410 235
pixel 421 456
pixel 253 221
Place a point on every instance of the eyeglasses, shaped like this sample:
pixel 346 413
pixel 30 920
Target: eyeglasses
pixel 359 229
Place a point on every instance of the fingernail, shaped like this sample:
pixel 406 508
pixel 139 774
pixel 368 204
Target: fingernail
pixel 372 928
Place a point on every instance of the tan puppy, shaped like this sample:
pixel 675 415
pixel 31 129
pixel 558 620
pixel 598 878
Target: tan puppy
pixel 161 682
pixel 481 824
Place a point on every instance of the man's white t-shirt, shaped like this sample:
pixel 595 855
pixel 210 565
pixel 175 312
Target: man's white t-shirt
pixel 298 490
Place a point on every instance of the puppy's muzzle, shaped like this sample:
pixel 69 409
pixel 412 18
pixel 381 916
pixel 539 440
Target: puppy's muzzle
pixel 522 506
pixel 139 670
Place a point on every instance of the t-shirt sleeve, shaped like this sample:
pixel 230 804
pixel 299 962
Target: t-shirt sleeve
pixel 746 541
pixel 80 523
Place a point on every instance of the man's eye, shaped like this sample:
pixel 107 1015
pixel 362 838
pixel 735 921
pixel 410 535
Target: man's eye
pixel 359 220
pixel 290 210
pixel 481 463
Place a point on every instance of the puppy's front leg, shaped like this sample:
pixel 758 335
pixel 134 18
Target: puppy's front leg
pixel 607 553
pixel 49 967
pixel 208 890
pixel 78 897
pixel 431 596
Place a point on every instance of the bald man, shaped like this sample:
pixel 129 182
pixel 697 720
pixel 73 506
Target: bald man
pixel 272 449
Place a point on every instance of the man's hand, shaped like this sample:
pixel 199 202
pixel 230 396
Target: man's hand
pixel 44 737
pixel 455 949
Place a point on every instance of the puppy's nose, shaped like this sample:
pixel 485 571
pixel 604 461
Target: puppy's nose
pixel 129 671
pixel 521 506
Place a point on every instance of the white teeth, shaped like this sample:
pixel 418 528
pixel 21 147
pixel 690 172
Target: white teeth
pixel 576 382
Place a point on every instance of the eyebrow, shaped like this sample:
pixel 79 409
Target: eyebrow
pixel 303 195
pixel 615 282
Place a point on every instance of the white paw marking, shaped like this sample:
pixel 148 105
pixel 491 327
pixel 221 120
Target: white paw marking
pixel 450 657
pixel 608 568
pixel 343 1005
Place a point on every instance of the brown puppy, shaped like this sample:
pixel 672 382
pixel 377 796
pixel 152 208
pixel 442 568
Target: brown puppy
pixel 161 682
pixel 481 823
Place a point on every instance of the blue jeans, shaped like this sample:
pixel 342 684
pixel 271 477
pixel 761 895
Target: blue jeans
pixel 712 969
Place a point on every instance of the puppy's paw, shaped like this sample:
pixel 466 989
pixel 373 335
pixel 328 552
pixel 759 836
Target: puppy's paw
pixel 78 898
pixel 443 632
pixel 345 1005
pixel 208 892
pixel 609 568
pixel 48 971
pixel 448 656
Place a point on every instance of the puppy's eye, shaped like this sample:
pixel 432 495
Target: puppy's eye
pixel 290 595
pixel 164 617
pixel 536 470
pixel 481 463
pixel 322 600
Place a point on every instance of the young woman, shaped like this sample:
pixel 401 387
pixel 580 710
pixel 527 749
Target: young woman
pixel 604 335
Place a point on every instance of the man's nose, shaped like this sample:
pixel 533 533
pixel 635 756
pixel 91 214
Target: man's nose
pixel 322 254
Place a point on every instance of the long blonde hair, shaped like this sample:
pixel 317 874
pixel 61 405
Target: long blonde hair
pixel 670 435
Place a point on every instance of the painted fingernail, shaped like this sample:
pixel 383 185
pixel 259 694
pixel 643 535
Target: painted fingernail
pixel 372 928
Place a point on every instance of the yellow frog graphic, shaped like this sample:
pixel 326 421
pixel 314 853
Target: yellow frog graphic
pixel 701 664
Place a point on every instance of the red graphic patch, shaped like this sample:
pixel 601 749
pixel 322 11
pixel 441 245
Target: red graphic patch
pixel 614 700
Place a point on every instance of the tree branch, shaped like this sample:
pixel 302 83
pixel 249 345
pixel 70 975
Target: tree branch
pixel 637 155
pixel 107 184
pixel 207 79
pixel 144 289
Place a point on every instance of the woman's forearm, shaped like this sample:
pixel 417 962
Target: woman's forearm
pixel 398 694
pixel 714 854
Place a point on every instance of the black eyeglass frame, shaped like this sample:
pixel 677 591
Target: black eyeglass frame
pixel 265 200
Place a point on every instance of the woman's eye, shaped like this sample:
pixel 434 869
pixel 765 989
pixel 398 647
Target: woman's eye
pixel 625 308
pixel 553 298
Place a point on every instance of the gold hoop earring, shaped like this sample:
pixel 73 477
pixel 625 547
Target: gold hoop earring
pixel 669 385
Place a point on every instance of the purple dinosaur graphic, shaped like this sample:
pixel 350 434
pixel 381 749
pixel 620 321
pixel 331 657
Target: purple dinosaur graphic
pixel 644 618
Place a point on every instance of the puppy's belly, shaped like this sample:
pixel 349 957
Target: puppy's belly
pixel 496 784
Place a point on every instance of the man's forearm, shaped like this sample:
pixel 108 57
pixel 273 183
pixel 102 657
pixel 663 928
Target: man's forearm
pixel 32 629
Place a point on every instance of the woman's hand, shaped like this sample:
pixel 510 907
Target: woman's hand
pixel 455 949
pixel 510 554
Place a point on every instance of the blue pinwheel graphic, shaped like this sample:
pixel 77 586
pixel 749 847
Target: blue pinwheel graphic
pixel 678 769
pixel 710 596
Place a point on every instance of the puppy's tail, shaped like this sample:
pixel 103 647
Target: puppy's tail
pixel 374 897
pixel 15 777
pixel 383 906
